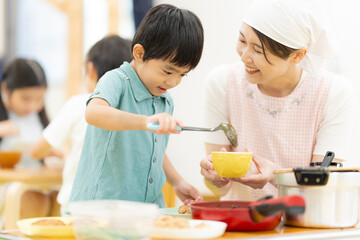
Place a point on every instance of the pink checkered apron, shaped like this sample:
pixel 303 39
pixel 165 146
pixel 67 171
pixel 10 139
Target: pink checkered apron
pixel 282 130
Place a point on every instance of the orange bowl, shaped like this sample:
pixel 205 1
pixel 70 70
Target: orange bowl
pixel 9 159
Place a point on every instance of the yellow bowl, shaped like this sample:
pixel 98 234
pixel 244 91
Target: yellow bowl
pixel 231 164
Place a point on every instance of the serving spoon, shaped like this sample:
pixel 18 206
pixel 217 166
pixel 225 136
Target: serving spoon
pixel 227 128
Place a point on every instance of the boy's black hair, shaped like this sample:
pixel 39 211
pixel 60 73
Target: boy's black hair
pixel 109 53
pixel 171 33
pixel 23 73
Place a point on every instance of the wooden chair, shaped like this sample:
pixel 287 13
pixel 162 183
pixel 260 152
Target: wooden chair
pixel 169 195
pixel 18 182
pixel 13 198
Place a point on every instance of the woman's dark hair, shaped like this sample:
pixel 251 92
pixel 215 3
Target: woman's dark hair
pixel 170 33
pixel 109 53
pixel 273 46
pixel 23 73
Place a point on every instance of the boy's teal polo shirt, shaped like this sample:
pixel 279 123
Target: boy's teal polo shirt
pixel 125 165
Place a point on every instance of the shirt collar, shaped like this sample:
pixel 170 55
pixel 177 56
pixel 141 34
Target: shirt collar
pixel 140 91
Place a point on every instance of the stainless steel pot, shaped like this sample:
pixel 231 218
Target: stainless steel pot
pixel 334 204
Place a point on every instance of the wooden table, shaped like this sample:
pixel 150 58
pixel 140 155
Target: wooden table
pixel 43 175
pixel 281 232
pixel 21 180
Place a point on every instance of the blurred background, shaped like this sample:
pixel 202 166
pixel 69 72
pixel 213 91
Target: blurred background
pixel 58 33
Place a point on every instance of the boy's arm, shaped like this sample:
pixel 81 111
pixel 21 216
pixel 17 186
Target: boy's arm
pixel 172 176
pixel 183 190
pixel 100 114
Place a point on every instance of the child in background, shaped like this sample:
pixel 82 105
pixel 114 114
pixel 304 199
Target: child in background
pixel 69 125
pixel 22 113
pixel 121 158
pixel 22 118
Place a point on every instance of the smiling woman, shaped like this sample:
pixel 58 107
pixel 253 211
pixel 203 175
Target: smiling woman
pixel 280 100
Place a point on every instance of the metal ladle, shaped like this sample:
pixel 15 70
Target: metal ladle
pixel 227 128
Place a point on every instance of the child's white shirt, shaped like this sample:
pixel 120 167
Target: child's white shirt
pixel 68 127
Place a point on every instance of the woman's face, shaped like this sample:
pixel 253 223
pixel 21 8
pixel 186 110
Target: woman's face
pixel 258 69
pixel 24 101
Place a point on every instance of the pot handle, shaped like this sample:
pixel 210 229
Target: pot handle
pixel 329 156
pixel 292 205
pixel 315 176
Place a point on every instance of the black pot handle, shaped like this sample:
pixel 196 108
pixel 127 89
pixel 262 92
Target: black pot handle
pixel 292 204
pixel 329 156
pixel 315 176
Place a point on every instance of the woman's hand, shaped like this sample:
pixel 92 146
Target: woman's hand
pixel 8 128
pixel 187 193
pixel 167 123
pixel 207 170
pixel 265 173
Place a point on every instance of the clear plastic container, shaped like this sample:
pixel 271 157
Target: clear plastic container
pixel 112 219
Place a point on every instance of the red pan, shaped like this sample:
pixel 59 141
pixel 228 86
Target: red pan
pixel 249 216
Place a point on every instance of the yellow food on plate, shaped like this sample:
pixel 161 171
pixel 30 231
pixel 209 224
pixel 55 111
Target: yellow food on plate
pixel 183 209
pixel 48 227
pixel 49 221
pixel 231 164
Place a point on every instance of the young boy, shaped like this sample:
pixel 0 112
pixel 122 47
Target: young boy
pixel 121 158
pixel 69 125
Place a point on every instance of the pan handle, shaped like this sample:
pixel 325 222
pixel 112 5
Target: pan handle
pixel 292 204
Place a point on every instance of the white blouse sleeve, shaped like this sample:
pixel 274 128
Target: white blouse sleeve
pixel 58 132
pixel 335 131
pixel 214 104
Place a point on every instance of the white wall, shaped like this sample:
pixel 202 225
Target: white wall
pixel 221 20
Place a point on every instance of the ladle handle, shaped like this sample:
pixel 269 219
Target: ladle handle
pixel 155 125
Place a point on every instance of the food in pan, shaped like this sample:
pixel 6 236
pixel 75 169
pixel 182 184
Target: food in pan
pixel 183 209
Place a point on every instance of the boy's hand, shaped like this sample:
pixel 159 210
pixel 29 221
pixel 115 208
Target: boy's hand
pixel 167 123
pixel 187 193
